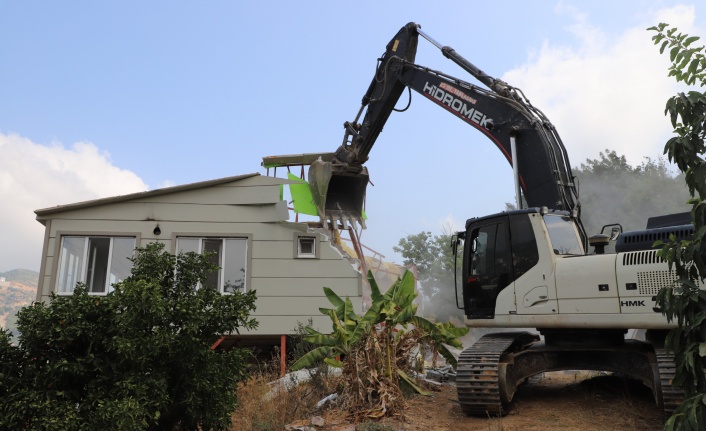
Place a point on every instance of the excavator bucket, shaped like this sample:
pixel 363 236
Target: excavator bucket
pixel 338 193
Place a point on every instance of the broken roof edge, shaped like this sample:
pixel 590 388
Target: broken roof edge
pixel 149 193
pixel 295 159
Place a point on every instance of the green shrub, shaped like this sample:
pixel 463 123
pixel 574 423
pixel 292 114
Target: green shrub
pixel 136 359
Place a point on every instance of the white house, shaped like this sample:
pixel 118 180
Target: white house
pixel 243 219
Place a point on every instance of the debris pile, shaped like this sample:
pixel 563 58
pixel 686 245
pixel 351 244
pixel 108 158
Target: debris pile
pixel 441 374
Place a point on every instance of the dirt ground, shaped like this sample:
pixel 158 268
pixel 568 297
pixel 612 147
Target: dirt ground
pixel 559 401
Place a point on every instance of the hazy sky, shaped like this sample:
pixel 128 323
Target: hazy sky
pixel 105 98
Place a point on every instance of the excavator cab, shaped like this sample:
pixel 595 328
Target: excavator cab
pixel 501 248
pixel 498 249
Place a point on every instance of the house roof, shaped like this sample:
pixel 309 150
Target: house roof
pixel 295 159
pixel 151 193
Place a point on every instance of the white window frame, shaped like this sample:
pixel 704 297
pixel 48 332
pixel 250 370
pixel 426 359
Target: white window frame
pixel 222 258
pixel 299 254
pixel 83 270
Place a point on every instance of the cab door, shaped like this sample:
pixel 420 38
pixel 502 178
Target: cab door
pixel 488 267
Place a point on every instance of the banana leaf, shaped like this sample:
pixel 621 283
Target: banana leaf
pixel 313 357
pixel 418 389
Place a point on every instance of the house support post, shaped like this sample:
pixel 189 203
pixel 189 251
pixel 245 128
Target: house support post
pixel 283 355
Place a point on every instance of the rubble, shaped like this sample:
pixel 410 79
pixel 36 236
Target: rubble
pixel 326 400
pixel 441 374
pixel 293 379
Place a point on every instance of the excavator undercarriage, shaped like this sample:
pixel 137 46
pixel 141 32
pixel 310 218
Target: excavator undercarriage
pixel 490 372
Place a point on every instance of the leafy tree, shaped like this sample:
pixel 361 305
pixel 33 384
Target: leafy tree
pixel 613 191
pixel 686 303
pixel 375 349
pixel 433 257
pixel 136 359
pixel 429 253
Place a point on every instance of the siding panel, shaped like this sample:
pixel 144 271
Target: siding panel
pixel 260 231
pixel 295 306
pixel 306 287
pixel 130 211
pixel 302 268
pixel 281 325
pixel 284 249
pixel 253 195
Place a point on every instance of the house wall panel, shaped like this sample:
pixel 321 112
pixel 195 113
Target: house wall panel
pixel 294 306
pixel 130 211
pixel 306 287
pixel 222 195
pixel 285 249
pixel 285 325
pixel 300 268
pixel 260 231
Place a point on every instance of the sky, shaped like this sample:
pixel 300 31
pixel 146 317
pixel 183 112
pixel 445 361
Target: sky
pixel 100 99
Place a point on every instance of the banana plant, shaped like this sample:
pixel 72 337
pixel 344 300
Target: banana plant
pixel 388 319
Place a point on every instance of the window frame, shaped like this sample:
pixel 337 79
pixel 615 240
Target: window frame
pixel 297 246
pixel 223 237
pixel 56 264
pixel 298 254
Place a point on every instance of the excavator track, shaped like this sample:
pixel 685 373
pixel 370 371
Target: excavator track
pixel 478 377
pixel 671 396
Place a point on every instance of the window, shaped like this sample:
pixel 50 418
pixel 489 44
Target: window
pixel 563 234
pixel 306 247
pixel 230 254
pixel 524 245
pixel 97 261
pixel 490 250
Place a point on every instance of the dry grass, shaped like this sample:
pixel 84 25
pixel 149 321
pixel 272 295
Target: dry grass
pixel 560 401
pixel 264 406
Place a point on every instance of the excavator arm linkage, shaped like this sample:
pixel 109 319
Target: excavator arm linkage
pixel 501 113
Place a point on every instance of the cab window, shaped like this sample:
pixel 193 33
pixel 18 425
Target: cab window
pixel 563 235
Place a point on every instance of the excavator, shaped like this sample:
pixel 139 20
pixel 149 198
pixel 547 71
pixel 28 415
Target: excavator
pixel 533 267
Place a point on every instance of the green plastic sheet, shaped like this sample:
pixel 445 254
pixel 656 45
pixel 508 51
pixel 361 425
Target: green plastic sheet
pixel 301 195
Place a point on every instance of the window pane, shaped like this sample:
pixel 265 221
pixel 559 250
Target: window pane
pixel 70 263
pixel 186 245
pixel 235 264
pixel 562 232
pixel 120 266
pixel 502 258
pixel 306 246
pixel 484 255
pixel 524 245
pixel 97 268
pixel 214 246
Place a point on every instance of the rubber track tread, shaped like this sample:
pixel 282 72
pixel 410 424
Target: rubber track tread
pixel 477 375
pixel 671 396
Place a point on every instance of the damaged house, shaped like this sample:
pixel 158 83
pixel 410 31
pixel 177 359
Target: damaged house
pixel 243 219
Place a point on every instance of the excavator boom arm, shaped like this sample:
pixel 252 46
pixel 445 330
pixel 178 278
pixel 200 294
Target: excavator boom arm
pixel 502 114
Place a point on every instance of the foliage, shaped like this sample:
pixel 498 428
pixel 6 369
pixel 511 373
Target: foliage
pixel 435 263
pixel 613 191
pixel 136 359
pixel 375 350
pixel 24 276
pixel 18 290
pixel 429 253
pixel 686 303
